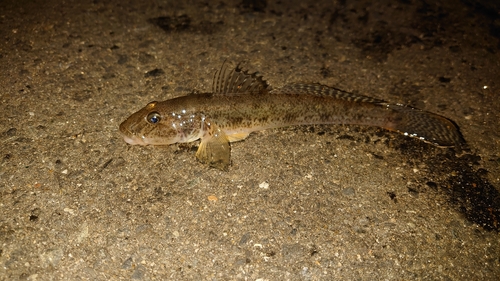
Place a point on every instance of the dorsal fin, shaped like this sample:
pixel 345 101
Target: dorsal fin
pixel 237 81
pixel 322 90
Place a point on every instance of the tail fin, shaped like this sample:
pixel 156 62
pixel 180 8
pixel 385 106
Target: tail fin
pixel 426 126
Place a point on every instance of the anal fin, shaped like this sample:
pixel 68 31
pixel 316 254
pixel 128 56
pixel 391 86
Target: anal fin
pixel 214 148
pixel 237 136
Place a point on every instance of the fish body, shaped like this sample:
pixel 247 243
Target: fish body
pixel 242 103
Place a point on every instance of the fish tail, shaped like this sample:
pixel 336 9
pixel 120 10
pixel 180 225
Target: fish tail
pixel 426 126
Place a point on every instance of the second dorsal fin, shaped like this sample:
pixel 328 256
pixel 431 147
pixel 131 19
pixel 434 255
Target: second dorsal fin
pixel 322 90
pixel 237 81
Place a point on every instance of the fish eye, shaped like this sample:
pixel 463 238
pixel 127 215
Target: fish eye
pixel 153 117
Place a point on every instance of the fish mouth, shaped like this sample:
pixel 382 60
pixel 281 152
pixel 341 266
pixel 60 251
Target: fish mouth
pixel 130 138
pixel 142 140
pixel 134 140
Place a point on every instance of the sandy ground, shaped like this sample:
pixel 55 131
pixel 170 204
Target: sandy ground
pixel 299 203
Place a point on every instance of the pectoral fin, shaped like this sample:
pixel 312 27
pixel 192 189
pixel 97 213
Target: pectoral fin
pixel 214 147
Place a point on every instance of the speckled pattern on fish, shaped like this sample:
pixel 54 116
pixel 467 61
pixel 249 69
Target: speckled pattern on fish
pixel 242 102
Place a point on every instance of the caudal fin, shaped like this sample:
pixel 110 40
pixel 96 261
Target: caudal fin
pixel 426 126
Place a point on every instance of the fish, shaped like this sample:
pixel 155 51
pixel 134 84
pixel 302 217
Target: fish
pixel 242 102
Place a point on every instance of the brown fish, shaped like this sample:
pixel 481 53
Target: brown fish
pixel 242 102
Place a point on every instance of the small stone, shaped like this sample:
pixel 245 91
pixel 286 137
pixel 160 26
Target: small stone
pixel 264 185
pixel 348 191
pixel 127 263
pixel 138 273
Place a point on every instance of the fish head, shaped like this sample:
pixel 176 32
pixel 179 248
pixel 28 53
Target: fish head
pixel 161 125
